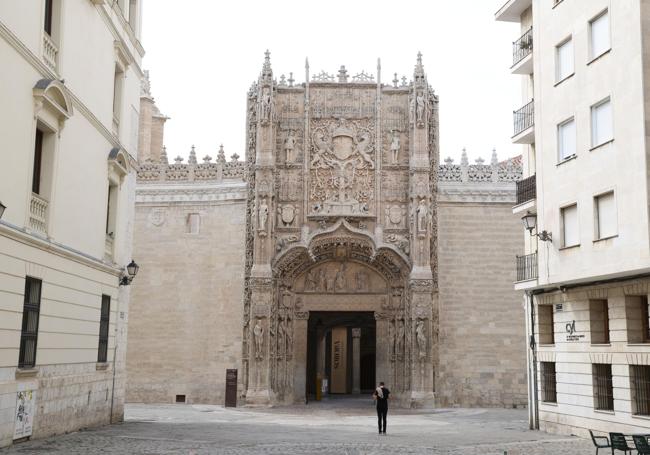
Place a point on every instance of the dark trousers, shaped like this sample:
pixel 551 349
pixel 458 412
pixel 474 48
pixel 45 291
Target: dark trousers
pixel 381 416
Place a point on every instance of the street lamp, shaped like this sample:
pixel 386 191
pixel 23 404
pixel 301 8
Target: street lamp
pixel 530 223
pixel 2 208
pixel 131 272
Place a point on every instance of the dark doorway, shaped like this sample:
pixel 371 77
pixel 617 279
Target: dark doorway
pixel 319 336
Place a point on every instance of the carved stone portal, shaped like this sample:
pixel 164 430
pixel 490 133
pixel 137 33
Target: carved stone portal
pixel 340 216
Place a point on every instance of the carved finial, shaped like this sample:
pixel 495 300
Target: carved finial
pixel 378 71
pixel 306 70
pixel 495 159
pixel 178 159
pixel 291 80
pixel 283 80
pixel 267 73
pixel 221 155
pixel 395 81
pixel 449 161
pixel 463 158
pixel 343 74
pixel 207 159
pixel 234 157
pixel 479 161
pixel 192 159
pixel 163 156
pixel 404 84
pixel 418 75
pixel 145 86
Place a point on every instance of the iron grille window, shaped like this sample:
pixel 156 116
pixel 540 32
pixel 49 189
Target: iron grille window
pixel 603 390
pixel 105 318
pixel 640 385
pixel 636 315
pixel 29 332
pixel 549 383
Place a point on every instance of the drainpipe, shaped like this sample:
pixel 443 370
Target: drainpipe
pixel 533 393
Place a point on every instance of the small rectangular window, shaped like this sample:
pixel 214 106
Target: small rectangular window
pixel 599 321
pixel 546 324
pixel 602 129
pixel 564 60
pixel 599 35
pixel 602 385
pixel 193 223
pixel 31 316
pixel 640 389
pixel 104 320
pixel 180 398
pixel 636 315
pixel 605 213
pixel 570 230
pixel 566 138
pixel 549 382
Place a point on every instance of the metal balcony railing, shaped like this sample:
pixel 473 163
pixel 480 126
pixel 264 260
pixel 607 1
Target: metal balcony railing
pixel 523 47
pixel 526 189
pixel 527 267
pixel 524 118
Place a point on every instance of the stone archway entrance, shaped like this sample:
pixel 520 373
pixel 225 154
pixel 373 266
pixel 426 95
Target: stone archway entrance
pixel 341 351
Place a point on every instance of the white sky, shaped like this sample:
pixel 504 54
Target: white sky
pixel 203 56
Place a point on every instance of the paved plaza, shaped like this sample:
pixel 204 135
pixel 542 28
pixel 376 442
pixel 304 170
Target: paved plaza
pixel 334 427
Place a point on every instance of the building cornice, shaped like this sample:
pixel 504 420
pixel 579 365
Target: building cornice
pixel 47 73
pixel 191 193
pixel 464 192
pixel 20 235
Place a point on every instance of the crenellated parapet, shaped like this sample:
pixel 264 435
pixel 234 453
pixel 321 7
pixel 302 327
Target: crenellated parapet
pixel 162 171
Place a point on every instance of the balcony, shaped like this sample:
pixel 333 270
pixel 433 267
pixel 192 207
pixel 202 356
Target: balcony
pixel 50 52
pixel 512 10
pixel 526 193
pixel 527 267
pixel 522 54
pixel 524 124
pixel 38 214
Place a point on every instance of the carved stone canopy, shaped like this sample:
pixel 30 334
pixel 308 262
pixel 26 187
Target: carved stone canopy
pixel 342 242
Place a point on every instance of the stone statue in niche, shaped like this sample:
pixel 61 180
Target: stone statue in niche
pixel 289 148
pixel 422 216
pixel 266 104
pixel 420 109
pixel 421 339
pixel 289 337
pixel 311 281
pixel 399 340
pixel 263 215
pixel 322 280
pixel 330 281
pixel 282 334
pixel 340 283
pixel 394 147
pixel 258 333
pixel 362 281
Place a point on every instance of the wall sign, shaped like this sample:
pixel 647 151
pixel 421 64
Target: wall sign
pixel 25 406
pixel 571 332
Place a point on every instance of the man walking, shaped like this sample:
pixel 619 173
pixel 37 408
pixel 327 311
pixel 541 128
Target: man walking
pixel 381 395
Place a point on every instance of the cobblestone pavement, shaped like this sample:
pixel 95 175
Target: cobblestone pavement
pixel 337 427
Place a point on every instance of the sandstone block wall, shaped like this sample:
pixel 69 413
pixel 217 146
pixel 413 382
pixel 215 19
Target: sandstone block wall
pixel 482 332
pixel 187 301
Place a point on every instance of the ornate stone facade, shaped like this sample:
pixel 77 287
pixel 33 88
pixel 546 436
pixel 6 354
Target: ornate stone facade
pixel 340 197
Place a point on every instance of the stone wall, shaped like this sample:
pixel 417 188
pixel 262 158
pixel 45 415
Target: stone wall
pixel 187 299
pixel 482 339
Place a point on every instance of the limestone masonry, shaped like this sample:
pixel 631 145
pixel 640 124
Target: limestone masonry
pixel 339 254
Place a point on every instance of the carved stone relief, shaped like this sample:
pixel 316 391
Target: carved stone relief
pixel 342 162
pixel 340 277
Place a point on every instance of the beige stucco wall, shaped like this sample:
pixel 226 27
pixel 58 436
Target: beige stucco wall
pixel 482 342
pixel 69 254
pixel 187 302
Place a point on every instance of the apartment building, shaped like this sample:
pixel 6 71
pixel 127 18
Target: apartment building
pixel 70 96
pixel 583 127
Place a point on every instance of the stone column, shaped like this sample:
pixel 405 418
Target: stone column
pixel 356 361
pixel 382 347
pixel 300 356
